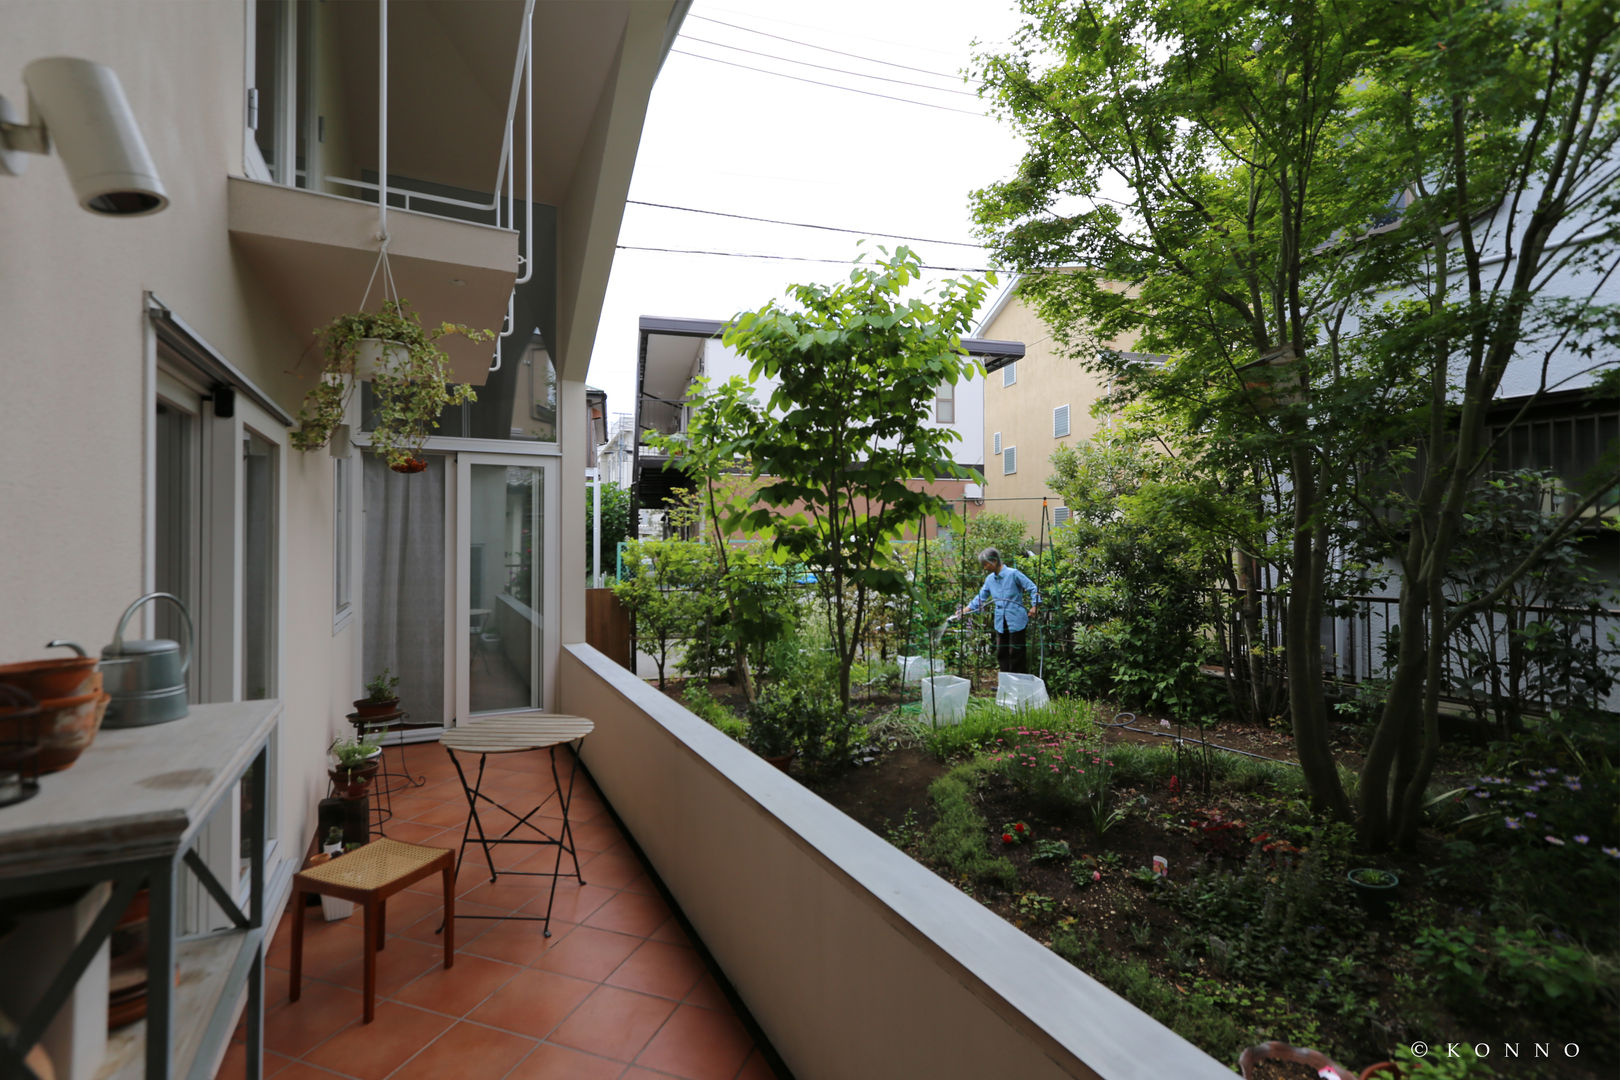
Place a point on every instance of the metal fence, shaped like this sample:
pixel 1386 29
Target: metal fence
pixel 1494 651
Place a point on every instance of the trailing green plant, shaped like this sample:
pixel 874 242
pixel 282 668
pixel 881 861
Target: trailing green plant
pixel 1524 969
pixel 351 751
pixel 957 840
pixel 409 394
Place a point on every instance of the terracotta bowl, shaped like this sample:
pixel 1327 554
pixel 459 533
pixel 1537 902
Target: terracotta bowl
pixel 67 728
pixel 60 677
pixel 19 736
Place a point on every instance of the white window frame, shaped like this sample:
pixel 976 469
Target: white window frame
pixel 344 468
pixel 218 501
pixel 1009 461
pixel 1066 427
pixel 995 442
pixel 945 404
pixel 1009 374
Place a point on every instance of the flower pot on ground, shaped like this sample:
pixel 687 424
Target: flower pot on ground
pixel 1280 1061
pixel 381 698
pixel 410 390
pixel 1375 889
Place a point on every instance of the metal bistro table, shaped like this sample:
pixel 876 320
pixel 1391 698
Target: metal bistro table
pixel 513 735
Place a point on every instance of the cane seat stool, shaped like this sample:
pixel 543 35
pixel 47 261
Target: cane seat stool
pixel 368 876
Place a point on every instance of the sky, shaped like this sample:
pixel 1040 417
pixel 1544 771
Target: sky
pixel 721 137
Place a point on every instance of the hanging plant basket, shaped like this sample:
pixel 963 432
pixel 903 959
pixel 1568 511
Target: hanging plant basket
pixel 372 355
pixel 410 380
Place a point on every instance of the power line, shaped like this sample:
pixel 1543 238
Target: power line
pixel 835 86
pixel 805 225
pixel 829 67
pixel 824 48
pixel 792 258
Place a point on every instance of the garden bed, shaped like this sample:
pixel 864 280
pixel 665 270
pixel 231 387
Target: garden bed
pixel 1254 932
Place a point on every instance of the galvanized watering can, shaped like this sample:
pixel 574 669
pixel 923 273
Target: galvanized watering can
pixel 146 677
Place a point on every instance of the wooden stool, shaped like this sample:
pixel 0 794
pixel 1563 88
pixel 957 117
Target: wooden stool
pixel 368 876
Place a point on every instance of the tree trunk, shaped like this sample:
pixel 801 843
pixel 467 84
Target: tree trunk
pixel 1302 650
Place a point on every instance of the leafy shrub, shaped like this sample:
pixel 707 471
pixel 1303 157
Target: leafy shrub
pixel 803 717
pixel 696 697
pixel 957 841
pixel 1197 1017
pixel 1517 969
pixel 1048 851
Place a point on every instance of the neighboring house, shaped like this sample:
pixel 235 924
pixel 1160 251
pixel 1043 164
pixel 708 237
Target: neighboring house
pixel 616 458
pixel 672 353
pixel 153 367
pixel 1032 406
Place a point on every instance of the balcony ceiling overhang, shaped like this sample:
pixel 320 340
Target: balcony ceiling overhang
pixel 451 67
pixel 315 253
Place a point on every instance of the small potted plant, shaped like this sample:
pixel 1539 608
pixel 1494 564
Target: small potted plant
pixel 353 762
pixel 410 377
pixel 381 697
pixel 1375 889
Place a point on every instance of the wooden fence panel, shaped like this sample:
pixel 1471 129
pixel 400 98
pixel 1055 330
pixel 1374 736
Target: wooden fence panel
pixel 607 625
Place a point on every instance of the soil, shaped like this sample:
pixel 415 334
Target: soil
pixel 1280 1069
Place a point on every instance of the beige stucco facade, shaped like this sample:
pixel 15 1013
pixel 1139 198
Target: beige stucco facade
pixel 1021 412
pixel 243 263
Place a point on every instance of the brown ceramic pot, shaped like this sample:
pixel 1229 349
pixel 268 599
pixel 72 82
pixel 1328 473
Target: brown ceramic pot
pixel 1325 1067
pixel 59 677
pixel 67 727
pixel 366 709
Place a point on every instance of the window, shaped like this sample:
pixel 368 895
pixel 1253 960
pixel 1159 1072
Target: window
pixel 1009 461
pixel 342 499
pixel 945 404
pixel 1060 422
pixel 1060 516
pixel 1009 374
pixel 995 441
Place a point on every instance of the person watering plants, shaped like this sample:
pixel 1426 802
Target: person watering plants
pixel 1016 600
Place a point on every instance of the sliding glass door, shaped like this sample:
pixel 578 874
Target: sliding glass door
pixel 506 525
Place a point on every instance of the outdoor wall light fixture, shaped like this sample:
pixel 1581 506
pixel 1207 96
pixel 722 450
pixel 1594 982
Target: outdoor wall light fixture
pixel 79 106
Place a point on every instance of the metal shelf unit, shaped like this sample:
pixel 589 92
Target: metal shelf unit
pixel 129 812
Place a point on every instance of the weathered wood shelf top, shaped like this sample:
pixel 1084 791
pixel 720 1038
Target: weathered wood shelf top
pixel 136 793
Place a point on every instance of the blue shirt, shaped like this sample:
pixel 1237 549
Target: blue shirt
pixel 1007 587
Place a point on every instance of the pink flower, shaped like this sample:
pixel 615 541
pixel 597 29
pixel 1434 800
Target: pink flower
pixel 1096 875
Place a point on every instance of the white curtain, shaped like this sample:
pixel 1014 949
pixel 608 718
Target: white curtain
pixel 404 582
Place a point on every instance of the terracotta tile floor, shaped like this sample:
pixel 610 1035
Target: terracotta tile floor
pixel 616 991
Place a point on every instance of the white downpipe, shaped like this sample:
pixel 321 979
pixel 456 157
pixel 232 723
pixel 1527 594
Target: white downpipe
pixel 596 530
pixel 382 122
pixel 527 260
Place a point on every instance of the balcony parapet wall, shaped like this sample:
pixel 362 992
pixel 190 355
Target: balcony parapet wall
pixel 855 960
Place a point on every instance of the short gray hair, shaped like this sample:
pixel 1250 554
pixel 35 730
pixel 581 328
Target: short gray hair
pixel 989 555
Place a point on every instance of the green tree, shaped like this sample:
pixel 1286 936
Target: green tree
pixel 1293 173
pixel 668 592
pixel 710 452
pixel 857 367
pixel 615 525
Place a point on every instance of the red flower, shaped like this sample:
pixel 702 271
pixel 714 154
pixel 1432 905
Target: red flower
pixel 1018 828
pixel 1006 838
pixel 1175 785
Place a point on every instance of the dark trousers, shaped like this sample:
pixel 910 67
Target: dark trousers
pixel 1010 652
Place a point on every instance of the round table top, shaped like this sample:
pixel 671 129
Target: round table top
pixel 511 734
